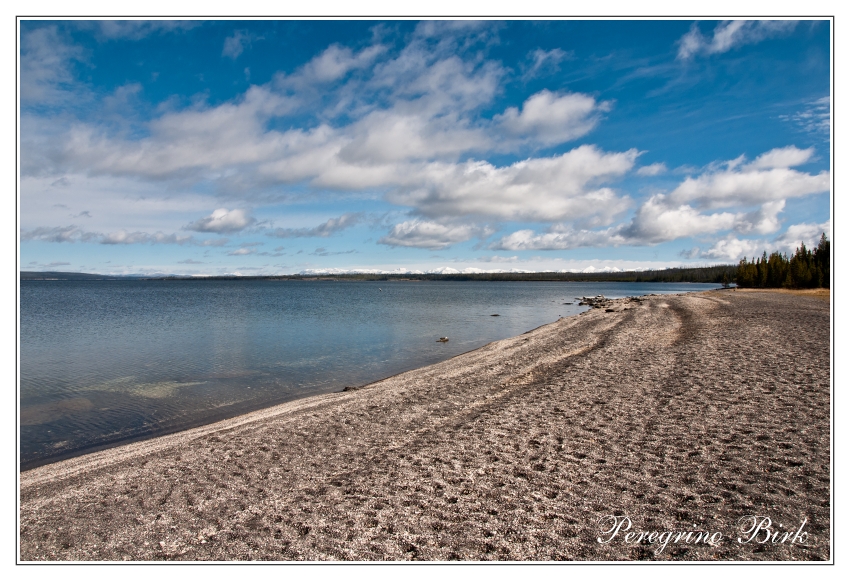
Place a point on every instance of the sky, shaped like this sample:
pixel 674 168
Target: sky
pixel 259 147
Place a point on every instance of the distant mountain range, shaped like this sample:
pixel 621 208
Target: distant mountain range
pixel 446 270
pixel 702 274
pixel 52 275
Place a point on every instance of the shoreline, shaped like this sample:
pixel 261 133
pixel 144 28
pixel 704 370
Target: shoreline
pixel 122 451
pixel 140 439
pixel 547 431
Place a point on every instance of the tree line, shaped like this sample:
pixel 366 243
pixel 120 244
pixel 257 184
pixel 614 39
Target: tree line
pixel 804 269
pixel 706 274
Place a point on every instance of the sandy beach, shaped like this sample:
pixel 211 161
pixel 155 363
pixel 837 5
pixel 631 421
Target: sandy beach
pixel 678 413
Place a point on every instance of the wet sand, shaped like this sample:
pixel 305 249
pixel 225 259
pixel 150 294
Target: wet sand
pixel 682 413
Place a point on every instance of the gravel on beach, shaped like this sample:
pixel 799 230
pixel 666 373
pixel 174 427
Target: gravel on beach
pixel 676 413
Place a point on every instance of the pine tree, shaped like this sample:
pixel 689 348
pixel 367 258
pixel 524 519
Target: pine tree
pixel 821 260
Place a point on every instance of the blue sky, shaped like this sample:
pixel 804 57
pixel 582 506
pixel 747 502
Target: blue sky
pixel 277 147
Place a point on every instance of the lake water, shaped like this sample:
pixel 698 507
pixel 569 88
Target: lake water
pixel 107 362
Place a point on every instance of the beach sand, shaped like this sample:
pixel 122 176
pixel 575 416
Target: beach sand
pixel 680 412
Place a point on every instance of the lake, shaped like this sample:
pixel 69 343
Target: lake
pixel 109 362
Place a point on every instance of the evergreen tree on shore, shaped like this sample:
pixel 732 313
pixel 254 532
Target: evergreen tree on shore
pixel 805 269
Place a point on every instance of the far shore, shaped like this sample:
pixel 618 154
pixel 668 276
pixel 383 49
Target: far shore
pixel 677 412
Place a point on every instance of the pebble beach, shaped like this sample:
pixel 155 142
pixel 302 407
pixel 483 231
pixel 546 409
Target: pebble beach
pixel 659 414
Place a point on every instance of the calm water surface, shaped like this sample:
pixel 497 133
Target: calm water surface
pixel 106 362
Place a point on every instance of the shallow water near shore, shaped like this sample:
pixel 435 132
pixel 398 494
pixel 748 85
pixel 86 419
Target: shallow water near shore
pixel 107 362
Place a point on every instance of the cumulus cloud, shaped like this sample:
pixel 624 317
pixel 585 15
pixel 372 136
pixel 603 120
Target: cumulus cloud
pixel 412 125
pixel 223 221
pixel 734 249
pixel 765 220
pixel 731 34
pixel 652 169
pixel 789 156
pixel 808 233
pixel 384 137
pixel 765 182
pixel 431 235
pixel 658 221
pixel 551 118
pixel 332 226
pixel 420 106
pixel 564 240
pixel 686 212
pixel 768 178
pixel 547 189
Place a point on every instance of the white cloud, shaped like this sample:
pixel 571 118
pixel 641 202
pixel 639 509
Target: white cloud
pixel 734 249
pixel 46 59
pixel 765 220
pixel 332 226
pixel 551 118
pixel 406 143
pixel 529 240
pixel 411 126
pixel 656 221
pixel 808 233
pixel 75 234
pixel 241 252
pixel 815 118
pixel 731 34
pixel 783 157
pixel 393 136
pixel 544 61
pixel 661 219
pixel 336 61
pixel 563 187
pixel 58 234
pixel 425 234
pixel 138 29
pixel 234 45
pixel 768 178
pixel 123 237
pixel 653 169
pixel 113 203
pixel 215 242
pixel 223 221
